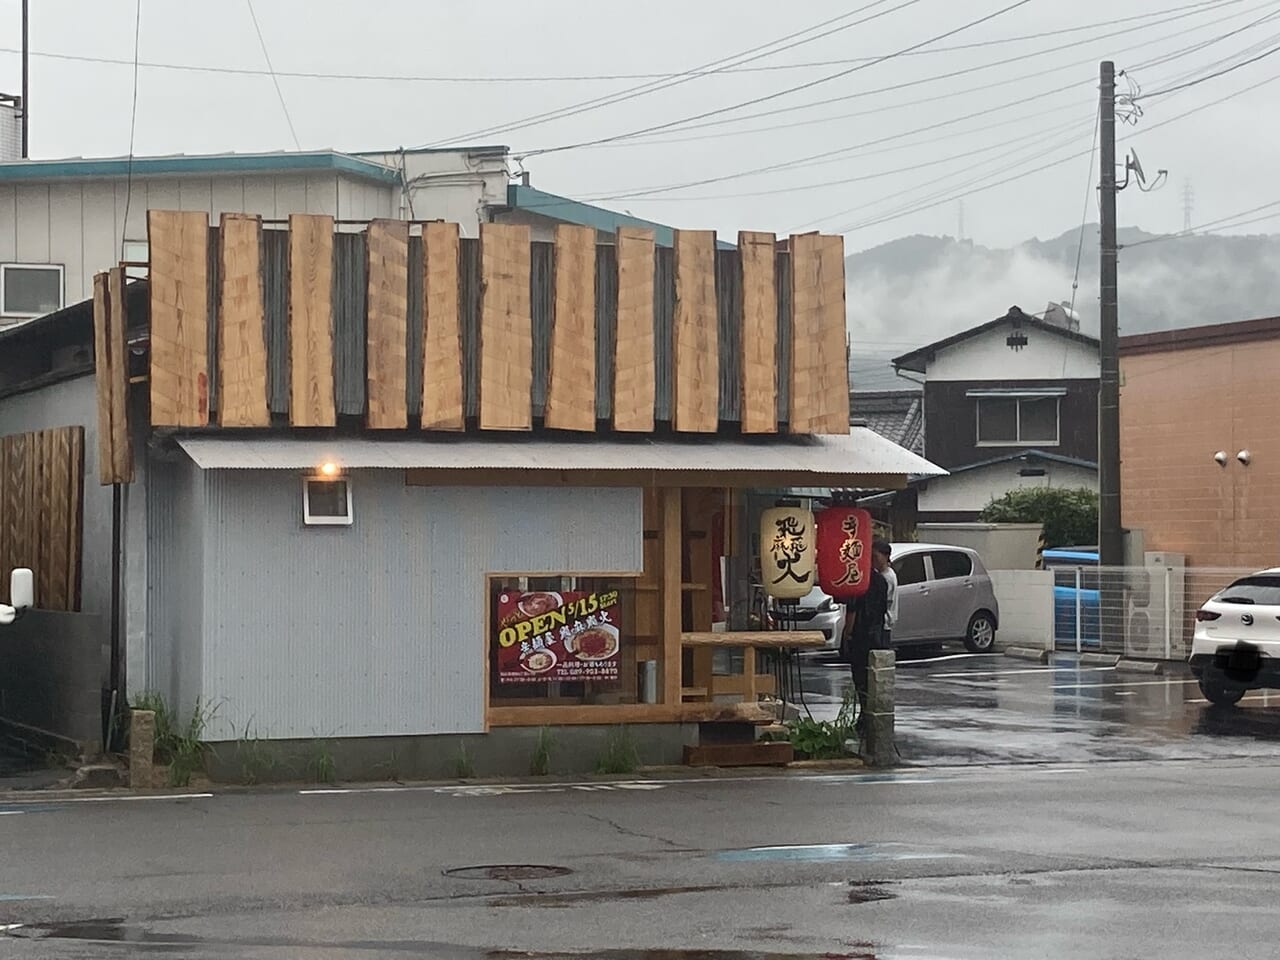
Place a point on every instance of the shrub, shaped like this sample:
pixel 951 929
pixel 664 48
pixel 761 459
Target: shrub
pixel 1070 517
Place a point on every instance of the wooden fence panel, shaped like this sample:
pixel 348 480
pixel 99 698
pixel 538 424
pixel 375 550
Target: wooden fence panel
pixel 696 340
pixel 178 280
pixel 242 337
pixel 311 374
pixel 759 333
pixel 819 366
pixel 442 384
pixel 506 328
pixel 633 359
pixel 387 319
pixel 571 387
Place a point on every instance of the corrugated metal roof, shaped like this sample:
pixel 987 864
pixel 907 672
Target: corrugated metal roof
pixel 861 452
pixel 212 164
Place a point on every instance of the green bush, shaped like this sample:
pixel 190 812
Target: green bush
pixel 1070 517
pixel 179 743
pixel 824 739
pixel 621 755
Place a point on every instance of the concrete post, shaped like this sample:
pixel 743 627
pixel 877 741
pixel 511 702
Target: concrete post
pixel 142 745
pixel 878 749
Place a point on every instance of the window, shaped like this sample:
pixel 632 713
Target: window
pixel 1018 420
pixel 326 502
pixel 948 564
pixel 1253 590
pixel 30 289
pixel 910 569
pixel 138 251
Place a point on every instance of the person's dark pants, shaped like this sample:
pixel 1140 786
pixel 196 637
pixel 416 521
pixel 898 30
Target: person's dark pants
pixel 861 653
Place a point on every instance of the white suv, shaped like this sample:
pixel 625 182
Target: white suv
pixel 1237 639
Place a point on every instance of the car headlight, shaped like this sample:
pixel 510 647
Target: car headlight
pixel 826 605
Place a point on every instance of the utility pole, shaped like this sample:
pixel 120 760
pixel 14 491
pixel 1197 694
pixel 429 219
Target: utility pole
pixel 26 86
pixel 1110 536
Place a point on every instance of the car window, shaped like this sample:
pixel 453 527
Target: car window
pixel 1265 590
pixel 910 569
pixel 948 564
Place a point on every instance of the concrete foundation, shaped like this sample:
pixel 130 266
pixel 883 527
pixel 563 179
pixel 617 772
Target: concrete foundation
pixel 503 752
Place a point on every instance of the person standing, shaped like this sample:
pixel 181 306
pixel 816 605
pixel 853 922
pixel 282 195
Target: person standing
pixel 864 632
pixel 881 554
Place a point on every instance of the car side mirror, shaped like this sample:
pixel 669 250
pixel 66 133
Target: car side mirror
pixel 22 591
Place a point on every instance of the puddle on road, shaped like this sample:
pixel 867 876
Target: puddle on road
pixel 854 952
pixel 857 852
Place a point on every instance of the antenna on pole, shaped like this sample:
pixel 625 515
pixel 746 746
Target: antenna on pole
pixel 26 92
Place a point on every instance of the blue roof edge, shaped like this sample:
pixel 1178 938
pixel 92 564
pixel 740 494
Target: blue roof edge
pixel 318 161
pixel 520 197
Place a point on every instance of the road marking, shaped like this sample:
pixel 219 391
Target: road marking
pixel 1066 770
pixel 865 852
pixel 1172 681
pixel 10 813
pixel 1010 673
pixel 1261 696
pixel 949 656
pixel 6 927
pixel 1126 693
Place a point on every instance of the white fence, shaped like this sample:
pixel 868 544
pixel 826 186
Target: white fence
pixel 1026 607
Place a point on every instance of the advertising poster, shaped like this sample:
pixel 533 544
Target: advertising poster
pixel 567 636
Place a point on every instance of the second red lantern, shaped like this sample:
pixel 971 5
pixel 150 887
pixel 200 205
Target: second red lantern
pixel 844 552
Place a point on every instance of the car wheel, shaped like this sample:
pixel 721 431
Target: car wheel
pixel 981 635
pixel 1218 692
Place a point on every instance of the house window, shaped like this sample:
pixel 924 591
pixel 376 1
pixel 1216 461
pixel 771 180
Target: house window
pixel 326 502
pixel 30 289
pixel 1015 421
pixel 136 251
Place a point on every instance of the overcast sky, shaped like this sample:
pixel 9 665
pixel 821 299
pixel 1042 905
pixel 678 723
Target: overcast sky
pixel 878 166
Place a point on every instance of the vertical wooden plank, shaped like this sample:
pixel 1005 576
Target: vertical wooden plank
pixel 571 386
pixel 311 374
pixel 696 343
pixel 242 337
pixel 387 317
pixel 819 368
pixel 672 597
pixel 759 333
pixel 118 357
pixel 75 512
pixel 633 359
pixel 29 515
pixel 442 397
pixel 506 328
pixel 103 374
pixel 57 479
pixel 178 281
pixel 6 480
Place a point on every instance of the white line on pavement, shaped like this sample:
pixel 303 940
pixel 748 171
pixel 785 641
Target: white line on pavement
pixel 121 798
pixel 950 656
pixel 1009 673
pixel 9 813
pixel 1171 681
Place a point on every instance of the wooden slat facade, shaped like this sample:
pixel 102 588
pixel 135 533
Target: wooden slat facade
pixel 242 338
pixel 627 333
pixel 443 397
pixel 41 484
pixel 111 373
pixel 759 339
pixel 387 324
pixel 633 360
pixel 696 347
pixel 819 367
pixel 311 373
pixel 179 288
pixel 506 329
pixel 571 384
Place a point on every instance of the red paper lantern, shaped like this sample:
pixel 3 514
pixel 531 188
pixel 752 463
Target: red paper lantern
pixel 844 552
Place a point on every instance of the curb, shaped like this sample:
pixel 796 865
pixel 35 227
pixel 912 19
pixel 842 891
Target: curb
pixel 1027 653
pixel 1099 659
pixel 1153 667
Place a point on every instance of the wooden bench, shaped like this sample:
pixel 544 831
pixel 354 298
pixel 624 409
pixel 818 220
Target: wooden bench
pixel 749 684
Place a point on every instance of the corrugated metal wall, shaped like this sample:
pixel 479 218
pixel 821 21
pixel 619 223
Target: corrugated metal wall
pixel 377 629
pixel 176 510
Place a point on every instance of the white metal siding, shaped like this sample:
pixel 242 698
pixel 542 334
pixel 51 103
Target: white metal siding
pixel 377 629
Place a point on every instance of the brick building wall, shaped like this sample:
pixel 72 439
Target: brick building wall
pixel 1185 395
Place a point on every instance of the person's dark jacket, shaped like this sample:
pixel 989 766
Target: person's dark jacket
pixel 868 612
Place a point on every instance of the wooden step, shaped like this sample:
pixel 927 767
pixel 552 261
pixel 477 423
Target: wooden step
pixel 761 753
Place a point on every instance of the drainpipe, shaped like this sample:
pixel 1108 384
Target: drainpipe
pixel 115 686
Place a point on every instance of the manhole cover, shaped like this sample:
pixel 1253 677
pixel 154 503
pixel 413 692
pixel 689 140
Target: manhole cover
pixel 508 871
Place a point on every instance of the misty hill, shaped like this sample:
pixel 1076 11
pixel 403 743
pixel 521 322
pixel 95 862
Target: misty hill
pixel 917 289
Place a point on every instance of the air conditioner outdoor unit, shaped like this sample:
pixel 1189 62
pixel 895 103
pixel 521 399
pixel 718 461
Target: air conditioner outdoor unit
pixel 1155 624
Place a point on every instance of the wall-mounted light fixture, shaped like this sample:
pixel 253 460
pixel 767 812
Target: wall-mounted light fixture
pixel 1245 457
pixel 1220 458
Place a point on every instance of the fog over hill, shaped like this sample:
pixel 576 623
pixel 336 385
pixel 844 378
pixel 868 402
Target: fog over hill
pixel 917 289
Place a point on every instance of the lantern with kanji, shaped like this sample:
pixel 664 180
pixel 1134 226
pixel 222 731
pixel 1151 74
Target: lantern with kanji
pixel 844 552
pixel 787 552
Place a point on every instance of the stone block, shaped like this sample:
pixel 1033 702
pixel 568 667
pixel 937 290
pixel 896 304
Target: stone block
pixel 142 747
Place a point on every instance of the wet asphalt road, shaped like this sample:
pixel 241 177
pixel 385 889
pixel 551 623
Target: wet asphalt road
pixel 1006 837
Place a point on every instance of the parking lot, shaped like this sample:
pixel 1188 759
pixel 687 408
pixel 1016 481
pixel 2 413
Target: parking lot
pixel 955 707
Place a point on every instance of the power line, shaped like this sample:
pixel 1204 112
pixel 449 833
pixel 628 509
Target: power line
pixel 274 79
pixel 1209 76
pixel 133 125
pixel 747 56
pixel 1195 48
pixel 584 77
pixel 1035 54
pixel 1084 214
pixel 789 90
pixel 1222 223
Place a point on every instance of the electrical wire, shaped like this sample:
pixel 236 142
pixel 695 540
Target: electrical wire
pixel 133 125
pixel 787 91
pixel 1222 223
pixel 1209 76
pixel 747 56
pixel 585 77
pixel 1089 187
pixel 274 79
pixel 1035 54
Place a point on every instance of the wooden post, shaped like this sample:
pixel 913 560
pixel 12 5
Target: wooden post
pixel 672 597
